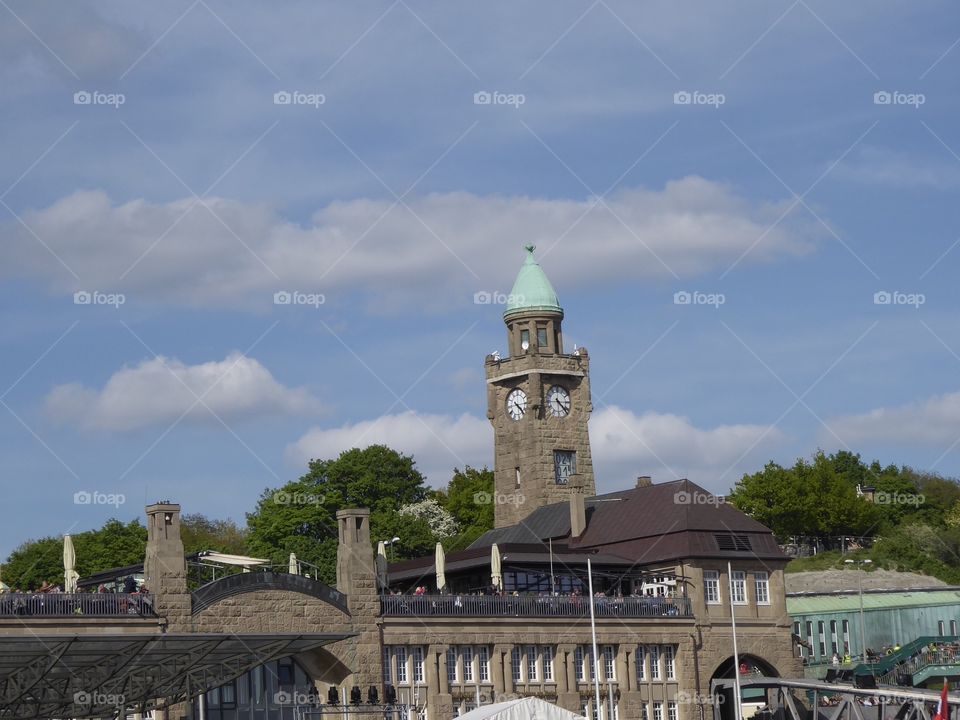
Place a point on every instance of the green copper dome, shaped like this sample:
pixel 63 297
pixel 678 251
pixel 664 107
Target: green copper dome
pixel 532 290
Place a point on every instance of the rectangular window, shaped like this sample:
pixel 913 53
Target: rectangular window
pixel 739 587
pixel 823 638
pixel 532 675
pixel 609 666
pixel 834 647
pixel 669 662
pixel 524 339
pixel 671 711
pixel 541 337
pixel 386 666
pixel 643 711
pixel 711 587
pixel 452 666
pixel 940 628
pixel 641 665
pixel 517 664
pixel 810 638
pixel 418 665
pixel 654 662
pixel 846 637
pixel 467 653
pixel 953 627
pixel 400 653
pixel 578 663
pixel 484 657
pixel 564 465
pixel 547 654
pixel 658 711
pixel 762 582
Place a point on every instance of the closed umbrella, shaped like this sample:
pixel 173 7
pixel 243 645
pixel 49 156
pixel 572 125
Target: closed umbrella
pixel 381 561
pixel 3 586
pixel 294 567
pixel 496 573
pixel 70 575
pixel 441 562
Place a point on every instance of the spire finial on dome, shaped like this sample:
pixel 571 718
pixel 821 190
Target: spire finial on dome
pixel 530 248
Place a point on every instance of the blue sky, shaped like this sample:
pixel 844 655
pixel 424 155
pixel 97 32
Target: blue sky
pixel 790 159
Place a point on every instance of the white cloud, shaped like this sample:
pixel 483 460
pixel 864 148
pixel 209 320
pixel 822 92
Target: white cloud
pixel 448 247
pixel 934 421
pixel 624 445
pixel 160 390
pixel 438 443
pixel 892 168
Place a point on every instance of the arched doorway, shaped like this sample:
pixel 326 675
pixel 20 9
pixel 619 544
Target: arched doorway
pixel 723 690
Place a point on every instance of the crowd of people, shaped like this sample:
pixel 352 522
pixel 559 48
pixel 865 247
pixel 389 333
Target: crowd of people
pixel 125 598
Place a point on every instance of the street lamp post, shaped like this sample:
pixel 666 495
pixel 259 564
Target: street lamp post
pixel 390 543
pixel 863 631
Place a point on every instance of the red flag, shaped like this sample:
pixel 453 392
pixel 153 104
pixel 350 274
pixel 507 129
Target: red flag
pixel 943 708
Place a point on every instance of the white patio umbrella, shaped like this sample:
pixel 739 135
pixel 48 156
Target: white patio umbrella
pixel 440 561
pixel 294 567
pixel 381 564
pixel 70 575
pixel 3 586
pixel 496 573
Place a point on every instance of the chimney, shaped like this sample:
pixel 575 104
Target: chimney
pixel 644 481
pixel 578 515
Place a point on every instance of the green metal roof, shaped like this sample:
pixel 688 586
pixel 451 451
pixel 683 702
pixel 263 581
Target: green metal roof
pixel 532 290
pixel 845 602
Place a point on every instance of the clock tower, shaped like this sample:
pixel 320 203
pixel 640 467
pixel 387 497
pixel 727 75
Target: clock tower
pixel 538 401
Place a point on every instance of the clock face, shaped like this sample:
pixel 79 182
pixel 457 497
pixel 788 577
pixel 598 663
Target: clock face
pixel 558 400
pixel 516 403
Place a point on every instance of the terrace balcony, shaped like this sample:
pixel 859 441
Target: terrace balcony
pixel 532 606
pixel 53 605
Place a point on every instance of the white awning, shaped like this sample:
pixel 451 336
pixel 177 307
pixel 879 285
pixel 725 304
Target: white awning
pixel 224 559
pixel 522 709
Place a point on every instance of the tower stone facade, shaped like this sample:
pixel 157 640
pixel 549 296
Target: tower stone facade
pixel 164 567
pixel 538 401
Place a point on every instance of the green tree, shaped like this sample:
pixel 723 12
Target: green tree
pixel 300 517
pixel 199 532
pixel 469 498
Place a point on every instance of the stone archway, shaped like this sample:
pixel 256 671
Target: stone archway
pixel 723 692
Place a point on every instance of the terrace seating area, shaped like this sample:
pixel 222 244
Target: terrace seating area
pixel 59 604
pixel 532 606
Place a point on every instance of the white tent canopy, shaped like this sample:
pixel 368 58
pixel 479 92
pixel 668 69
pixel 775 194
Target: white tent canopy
pixel 521 709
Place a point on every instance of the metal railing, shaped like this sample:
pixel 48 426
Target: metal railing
pixel 75 604
pixel 947 656
pixel 531 606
